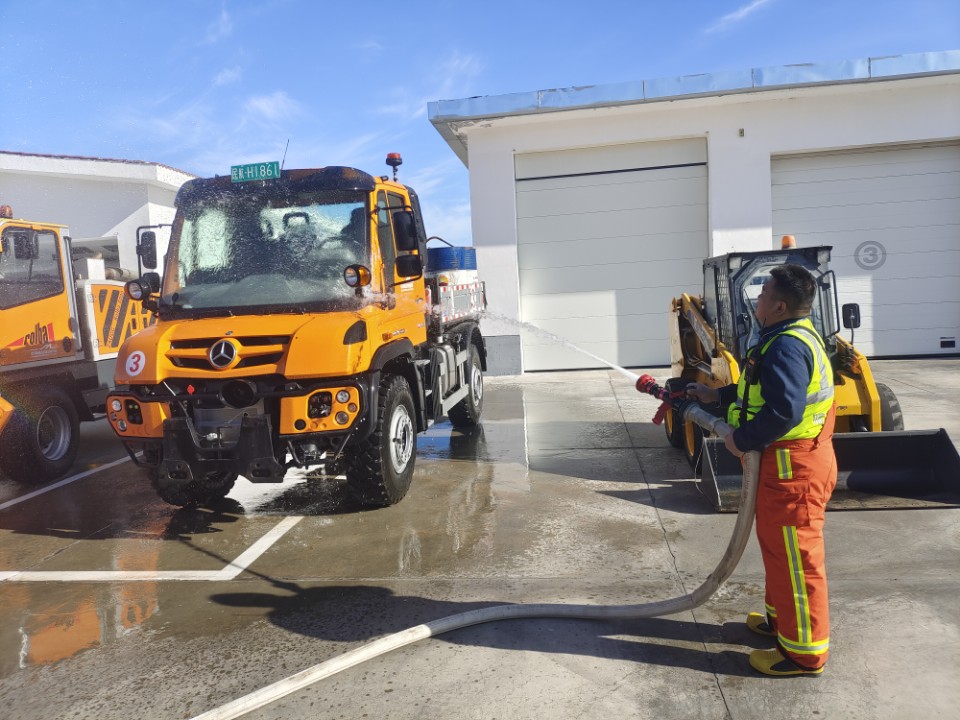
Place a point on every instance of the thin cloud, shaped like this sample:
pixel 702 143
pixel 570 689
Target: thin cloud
pixel 370 46
pixel 227 76
pixel 220 28
pixel 455 73
pixel 275 107
pixel 452 77
pixel 736 16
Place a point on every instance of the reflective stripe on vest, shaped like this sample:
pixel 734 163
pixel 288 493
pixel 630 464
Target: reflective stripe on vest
pixel 819 390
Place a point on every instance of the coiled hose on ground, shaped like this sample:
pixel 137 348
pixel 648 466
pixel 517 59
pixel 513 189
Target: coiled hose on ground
pixel 738 540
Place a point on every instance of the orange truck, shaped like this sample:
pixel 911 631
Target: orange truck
pixel 301 322
pixel 61 325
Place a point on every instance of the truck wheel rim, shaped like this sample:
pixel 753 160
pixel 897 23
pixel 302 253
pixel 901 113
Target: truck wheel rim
pixel 401 439
pixel 53 433
pixel 476 385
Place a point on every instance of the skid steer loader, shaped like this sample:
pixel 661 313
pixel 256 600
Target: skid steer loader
pixel 709 339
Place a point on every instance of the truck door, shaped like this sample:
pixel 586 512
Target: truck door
pixel 407 319
pixel 36 298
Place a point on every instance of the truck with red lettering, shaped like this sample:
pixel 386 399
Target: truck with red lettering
pixel 62 322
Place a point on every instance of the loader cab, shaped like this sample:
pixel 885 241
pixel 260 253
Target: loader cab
pixel 732 284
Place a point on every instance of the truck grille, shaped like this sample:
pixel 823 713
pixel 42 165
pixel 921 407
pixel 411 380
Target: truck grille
pixel 254 351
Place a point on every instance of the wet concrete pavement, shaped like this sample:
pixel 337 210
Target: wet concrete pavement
pixel 115 605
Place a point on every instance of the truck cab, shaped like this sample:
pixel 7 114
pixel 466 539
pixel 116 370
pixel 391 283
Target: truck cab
pixel 61 324
pixel 294 330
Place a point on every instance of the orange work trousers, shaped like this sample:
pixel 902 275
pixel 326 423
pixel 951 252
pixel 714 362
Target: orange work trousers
pixel 797 478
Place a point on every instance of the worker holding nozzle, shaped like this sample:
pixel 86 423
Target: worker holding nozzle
pixel 783 407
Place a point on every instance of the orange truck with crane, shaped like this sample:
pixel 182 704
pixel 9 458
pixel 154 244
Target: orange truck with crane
pixel 301 322
pixel 61 324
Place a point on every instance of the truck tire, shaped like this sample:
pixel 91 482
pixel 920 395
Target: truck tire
pixel 891 416
pixel 42 438
pixel 215 486
pixel 380 468
pixel 466 413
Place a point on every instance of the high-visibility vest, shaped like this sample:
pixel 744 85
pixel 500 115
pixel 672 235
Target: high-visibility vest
pixel 819 391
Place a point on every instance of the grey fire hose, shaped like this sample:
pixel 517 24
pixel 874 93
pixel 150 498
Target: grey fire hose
pixel 741 533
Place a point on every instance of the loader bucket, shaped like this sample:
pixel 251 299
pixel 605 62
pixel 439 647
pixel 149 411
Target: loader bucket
pixel 917 468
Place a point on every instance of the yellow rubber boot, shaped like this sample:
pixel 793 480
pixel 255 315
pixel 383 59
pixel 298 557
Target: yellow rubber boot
pixel 758 623
pixel 772 662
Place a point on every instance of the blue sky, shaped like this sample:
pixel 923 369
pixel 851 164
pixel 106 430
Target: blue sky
pixel 205 84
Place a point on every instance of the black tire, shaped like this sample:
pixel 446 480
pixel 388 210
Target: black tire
pixel 891 416
pixel 380 468
pixel 673 427
pixel 42 438
pixel 693 445
pixel 466 413
pixel 214 486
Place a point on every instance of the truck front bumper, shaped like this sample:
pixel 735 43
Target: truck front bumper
pixel 184 453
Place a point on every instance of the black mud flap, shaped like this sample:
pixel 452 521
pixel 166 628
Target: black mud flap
pixel 918 468
pixel 250 456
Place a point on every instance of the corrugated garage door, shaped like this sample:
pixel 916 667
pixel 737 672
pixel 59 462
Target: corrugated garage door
pixel 607 236
pixel 892 216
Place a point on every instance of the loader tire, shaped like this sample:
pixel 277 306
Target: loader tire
pixel 673 427
pixel 693 445
pixel 197 493
pixel 42 438
pixel 380 468
pixel 466 413
pixel 891 416
pixel 672 424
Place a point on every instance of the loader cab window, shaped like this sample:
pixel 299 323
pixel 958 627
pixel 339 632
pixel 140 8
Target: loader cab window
pixel 751 291
pixel 820 313
pixel 29 266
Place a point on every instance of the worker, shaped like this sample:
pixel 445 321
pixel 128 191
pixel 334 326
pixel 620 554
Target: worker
pixel 783 407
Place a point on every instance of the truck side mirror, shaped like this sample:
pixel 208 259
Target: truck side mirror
pixel 405 231
pixel 851 316
pixel 147 249
pixel 409 266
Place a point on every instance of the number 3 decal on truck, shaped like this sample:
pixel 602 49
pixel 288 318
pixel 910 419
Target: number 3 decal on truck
pixel 135 363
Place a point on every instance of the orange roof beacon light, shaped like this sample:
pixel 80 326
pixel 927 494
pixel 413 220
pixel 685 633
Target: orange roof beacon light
pixel 6 211
pixel 394 160
pixel 787 242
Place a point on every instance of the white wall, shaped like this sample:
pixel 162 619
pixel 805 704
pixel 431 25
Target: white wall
pixel 740 213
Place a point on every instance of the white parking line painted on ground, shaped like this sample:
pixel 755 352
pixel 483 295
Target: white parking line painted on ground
pixel 232 569
pixel 244 560
pixel 61 483
pixel 107 575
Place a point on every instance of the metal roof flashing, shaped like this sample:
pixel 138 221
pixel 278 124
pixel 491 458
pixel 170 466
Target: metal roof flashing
pixel 450 116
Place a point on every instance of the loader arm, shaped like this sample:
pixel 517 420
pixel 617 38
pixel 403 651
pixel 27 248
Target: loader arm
pixel 695 352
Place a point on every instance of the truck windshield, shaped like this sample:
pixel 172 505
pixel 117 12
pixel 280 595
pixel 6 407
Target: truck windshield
pixel 239 250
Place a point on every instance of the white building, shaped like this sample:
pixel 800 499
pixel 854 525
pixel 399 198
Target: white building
pixel 100 199
pixel 593 207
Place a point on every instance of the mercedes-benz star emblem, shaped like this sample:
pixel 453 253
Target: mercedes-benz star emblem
pixel 222 354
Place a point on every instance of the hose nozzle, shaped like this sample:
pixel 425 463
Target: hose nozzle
pixel 670 400
pixel 646 384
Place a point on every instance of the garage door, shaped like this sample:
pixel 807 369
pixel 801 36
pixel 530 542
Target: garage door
pixel 892 216
pixel 607 237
